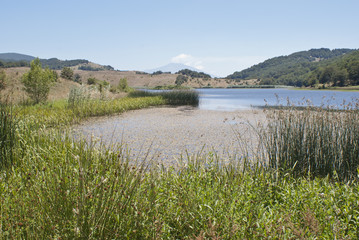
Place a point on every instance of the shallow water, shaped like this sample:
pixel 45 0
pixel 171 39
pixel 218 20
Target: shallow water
pixel 167 133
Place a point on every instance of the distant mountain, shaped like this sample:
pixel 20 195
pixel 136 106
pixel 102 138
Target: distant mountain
pixel 173 68
pixel 293 69
pixel 14 57
pixel 22 60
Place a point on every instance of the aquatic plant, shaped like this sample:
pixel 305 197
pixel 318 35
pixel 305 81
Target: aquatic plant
pixel 313 141
pixel 173 97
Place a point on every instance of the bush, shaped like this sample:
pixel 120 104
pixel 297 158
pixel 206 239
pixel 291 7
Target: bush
pixel 92 81
pixel 77 78
pixel 67 73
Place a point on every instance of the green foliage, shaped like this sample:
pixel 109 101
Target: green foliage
pixel 92 81
pixel 11 64
pixel 56 64
pixel 67 73
pixel 37 82
pixel 55 75
pixel 193 74
pixel 181 79
pixel 123 85
pixel 2 80
pixel 298 69
pixel 89 68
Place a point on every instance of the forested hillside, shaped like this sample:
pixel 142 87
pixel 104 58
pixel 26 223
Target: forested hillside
pixel 305 68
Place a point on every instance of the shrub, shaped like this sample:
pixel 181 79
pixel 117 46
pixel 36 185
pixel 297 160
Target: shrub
pixel 91 81
pixel 77 78
pixel 67 73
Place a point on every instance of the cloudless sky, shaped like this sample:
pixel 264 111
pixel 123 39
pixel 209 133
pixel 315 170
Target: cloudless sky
pixel 218 37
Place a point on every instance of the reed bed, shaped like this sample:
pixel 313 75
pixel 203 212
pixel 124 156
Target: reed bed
pixel 173 97
pixel 313 141
pixel 71 190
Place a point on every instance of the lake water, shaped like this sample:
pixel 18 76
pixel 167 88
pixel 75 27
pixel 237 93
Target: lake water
pixel 240 99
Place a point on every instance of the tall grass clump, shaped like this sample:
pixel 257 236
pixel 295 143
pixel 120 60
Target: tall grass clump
pixel 173 97
pixel 314 141
pixel 7 135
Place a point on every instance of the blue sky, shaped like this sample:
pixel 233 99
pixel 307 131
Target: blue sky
pixel 218 37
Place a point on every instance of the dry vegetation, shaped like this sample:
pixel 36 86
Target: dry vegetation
pixel 62 87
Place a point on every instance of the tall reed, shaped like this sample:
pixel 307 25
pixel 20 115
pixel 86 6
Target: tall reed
pixel 7 135
pixel 314 141
pixel 173 97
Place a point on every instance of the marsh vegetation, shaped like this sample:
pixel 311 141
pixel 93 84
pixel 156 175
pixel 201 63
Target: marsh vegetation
pixel 301 184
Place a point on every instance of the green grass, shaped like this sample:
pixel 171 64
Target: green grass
pixel 58 188
pixel 64 113
pixel 69 190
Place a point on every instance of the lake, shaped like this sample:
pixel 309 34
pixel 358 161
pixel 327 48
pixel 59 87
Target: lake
pixel 241 99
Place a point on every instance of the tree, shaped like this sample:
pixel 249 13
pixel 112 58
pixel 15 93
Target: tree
pixel 123 85
pixel 353 72
pixel 2 80
pixel 339 77
pixel 37 81
pixel 67 73
pixel 180 79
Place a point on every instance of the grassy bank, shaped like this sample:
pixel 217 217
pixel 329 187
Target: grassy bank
pixel 58 188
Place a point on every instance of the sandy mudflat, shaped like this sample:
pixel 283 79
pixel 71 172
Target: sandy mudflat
pixel 168 132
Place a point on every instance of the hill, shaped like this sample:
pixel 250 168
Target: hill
pixel 294 69
pixel 15 57
pixel 21 60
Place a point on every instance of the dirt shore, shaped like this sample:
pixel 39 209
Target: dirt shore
pixel 166 133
